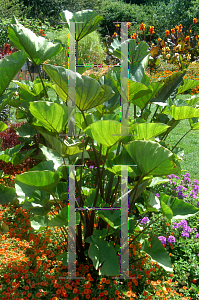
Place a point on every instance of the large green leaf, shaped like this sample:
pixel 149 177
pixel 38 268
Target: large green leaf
pixel 137 52
pixel 87 94
pixel 115 84
pixel 183 112
pixel 9 153
pixel 87 21
pixel 7 194
pixel 64 149
pixel 33 88
pixel 104 254
pixel 45 180
pixel 113 218
pixel 38 49
pixel 52 115
pixel 180 208
pixel 169 89
pixel 194 123
pixel 25 130
pixel 19 157
pixel 137 72
pixel 3 126
pixel 187 85
pixel 106 132
pixel 158 253
pixel 39 223
pixel 133 90
pixel 53 155
pixel 9 67
pixel 23 190
pixel 151 158
pixel 148 130
pixel 61 219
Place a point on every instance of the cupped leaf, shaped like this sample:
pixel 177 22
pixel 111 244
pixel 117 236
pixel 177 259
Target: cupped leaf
pixel 7 194
pixel 52 115
pixel 183 112
pixel 8 154
pixel 63 148
pixel 9 67
pixel 148 130
pixel 61 219
pixel 194 123
pixel 38 49
pixel 113 218
pixel 104 255
pixel 53 155
pixel 33 88
pixel 25 130
pixel 132 90
pixel 180 208
pixel 158 253
pixel 86 21
pixel 169 89
pixel 45 180
pixel 187 85
pixel 106 132
pixel 39 223
pixel 19 157
pixel 87 94
pixel 151 158
pixel 3 126
pixel 166 210
pixel 23 191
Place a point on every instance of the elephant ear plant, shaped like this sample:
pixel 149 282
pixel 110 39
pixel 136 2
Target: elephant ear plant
pixel 138 145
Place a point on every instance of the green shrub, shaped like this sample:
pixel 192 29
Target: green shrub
pixel 167 16
pixel 118 11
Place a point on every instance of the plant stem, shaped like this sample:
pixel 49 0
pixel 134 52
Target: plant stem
pixel 181 139
pixel 155 112
pixel 42 81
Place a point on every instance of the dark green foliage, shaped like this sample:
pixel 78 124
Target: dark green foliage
pixel 118 11
pixel 43 9
pixel 168 14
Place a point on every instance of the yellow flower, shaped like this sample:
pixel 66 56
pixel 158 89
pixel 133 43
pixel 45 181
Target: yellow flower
pixel 195 20
pixel 168 56
pixel 142 27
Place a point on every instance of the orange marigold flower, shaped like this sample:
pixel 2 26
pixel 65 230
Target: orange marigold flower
pixel 134 36
pixel 114 35
pixel 188 38
pixel 128 24
pixel 151 30
pixel 195 20
pixel 167 32
pixel 142 27
pixel 117 25
pixel 173 30
pixel 117 292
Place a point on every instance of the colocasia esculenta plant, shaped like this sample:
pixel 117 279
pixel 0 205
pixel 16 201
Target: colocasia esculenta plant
pixel 130 152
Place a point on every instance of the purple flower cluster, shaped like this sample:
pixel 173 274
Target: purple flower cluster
pixel 144 220
pixel 185 184
pixel 184 226
pixel 171 239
